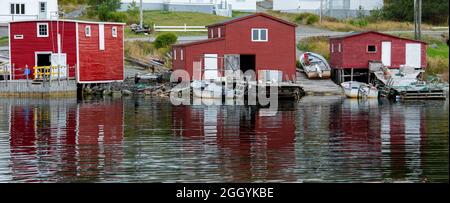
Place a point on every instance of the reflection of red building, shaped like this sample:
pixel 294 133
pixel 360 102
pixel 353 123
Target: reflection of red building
pixel 251 144
pixel 85 138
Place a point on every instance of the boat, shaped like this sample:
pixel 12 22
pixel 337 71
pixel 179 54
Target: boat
pixel 405 82
pixel 210 90
pixel 354 89
pixel 315 66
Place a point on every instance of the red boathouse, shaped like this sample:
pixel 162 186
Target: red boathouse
pixel 353 52
pixel 90 52
pixel 257 42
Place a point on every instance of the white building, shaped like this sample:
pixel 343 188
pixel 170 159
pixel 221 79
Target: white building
pixel 13 10
pixel 333 8
pixel 204 6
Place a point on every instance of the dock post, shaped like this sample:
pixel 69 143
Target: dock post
pixel 50 76
pixel 351 75
pixel 59 75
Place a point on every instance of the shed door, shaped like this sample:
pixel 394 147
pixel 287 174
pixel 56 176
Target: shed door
pixel 386 53
pixel 42 10
pixel 211 67
pixel 413 55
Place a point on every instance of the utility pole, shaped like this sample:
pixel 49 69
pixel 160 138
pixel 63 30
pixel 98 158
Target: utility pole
pixel 321 11
pixel 141 15
pixel 417 19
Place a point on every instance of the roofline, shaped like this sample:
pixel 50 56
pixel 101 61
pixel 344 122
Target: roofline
pixel 375 32
pixel 69 20
pixel 198 42
pixel 252 16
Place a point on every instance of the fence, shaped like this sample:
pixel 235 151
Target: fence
pixel 184 28
pixel 44 74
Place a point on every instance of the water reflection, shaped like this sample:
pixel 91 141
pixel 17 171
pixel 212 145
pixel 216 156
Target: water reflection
pixel 149 140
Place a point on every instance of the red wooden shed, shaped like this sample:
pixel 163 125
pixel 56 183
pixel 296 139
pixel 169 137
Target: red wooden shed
pixel 258 42
pixel 91 52
pixel 350 54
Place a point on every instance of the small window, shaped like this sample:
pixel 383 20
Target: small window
pixel 42 30
pixel 87 30
pixel 371 49
pixel 332 48
pixel 175 54
pixel 212 33
pixel 114 31
pixel 18 36
pixel 181 54
pixel 339 47
pixel 259 35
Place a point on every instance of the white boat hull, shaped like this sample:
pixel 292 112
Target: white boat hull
pixel 357 90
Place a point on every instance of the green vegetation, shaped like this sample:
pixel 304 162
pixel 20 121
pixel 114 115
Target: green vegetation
pixel 4 41
pixel 165 40
pixel 433 11
pixel 317 45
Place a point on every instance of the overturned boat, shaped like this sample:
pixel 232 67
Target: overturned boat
pixel 315 66
pixel 353 89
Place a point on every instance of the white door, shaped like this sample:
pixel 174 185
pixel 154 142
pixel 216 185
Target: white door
pixel 413 55
pixel 386 53
pixel 42 10
pixel 211 67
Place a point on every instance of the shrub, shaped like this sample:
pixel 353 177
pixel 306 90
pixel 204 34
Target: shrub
pixel 116 17
pixel 165 40
pixel 312 19
pixel 359 22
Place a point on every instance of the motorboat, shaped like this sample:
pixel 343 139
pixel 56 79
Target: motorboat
pixel 315 66
pixel 354 89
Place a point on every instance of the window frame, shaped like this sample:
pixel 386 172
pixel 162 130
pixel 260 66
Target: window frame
pixel 371 52
pixel 259 35
pixel 17 8
pixel 114 31
pixel 38 30
pixel 88 27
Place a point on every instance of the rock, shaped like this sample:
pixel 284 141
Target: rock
pixel 116 93
pixel 107 92
pixel 147 92
pixel 434 46
pixel 126 92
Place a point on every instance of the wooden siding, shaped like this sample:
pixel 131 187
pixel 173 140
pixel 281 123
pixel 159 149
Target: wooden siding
pixel 100 65
pixel 23 50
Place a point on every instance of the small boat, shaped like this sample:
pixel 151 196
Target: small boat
pixel 315 65
pixel 210 90
pixel 355 89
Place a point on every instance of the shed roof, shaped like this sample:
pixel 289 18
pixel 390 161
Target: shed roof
pixel 68 20
pixel 198 42
pixel 353 34
pixel 245 17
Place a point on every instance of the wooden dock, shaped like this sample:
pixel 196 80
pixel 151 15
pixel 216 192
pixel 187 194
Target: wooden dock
pixel 24 88
pixel 325 87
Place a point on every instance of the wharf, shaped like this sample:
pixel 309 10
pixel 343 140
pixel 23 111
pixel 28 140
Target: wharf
pixel 323 87
pixel 24 88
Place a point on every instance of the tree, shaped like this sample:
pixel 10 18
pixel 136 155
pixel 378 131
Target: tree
pixel 133 9
pixel 433 11
pixel 103 8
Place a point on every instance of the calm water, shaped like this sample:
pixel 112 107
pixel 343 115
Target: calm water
pixel 148 140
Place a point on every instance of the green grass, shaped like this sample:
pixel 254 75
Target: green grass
pixel 4 41
pixel 181 18
pixel 441 51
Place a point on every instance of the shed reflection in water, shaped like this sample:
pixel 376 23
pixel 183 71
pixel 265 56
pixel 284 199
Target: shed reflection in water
pixel 149 140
